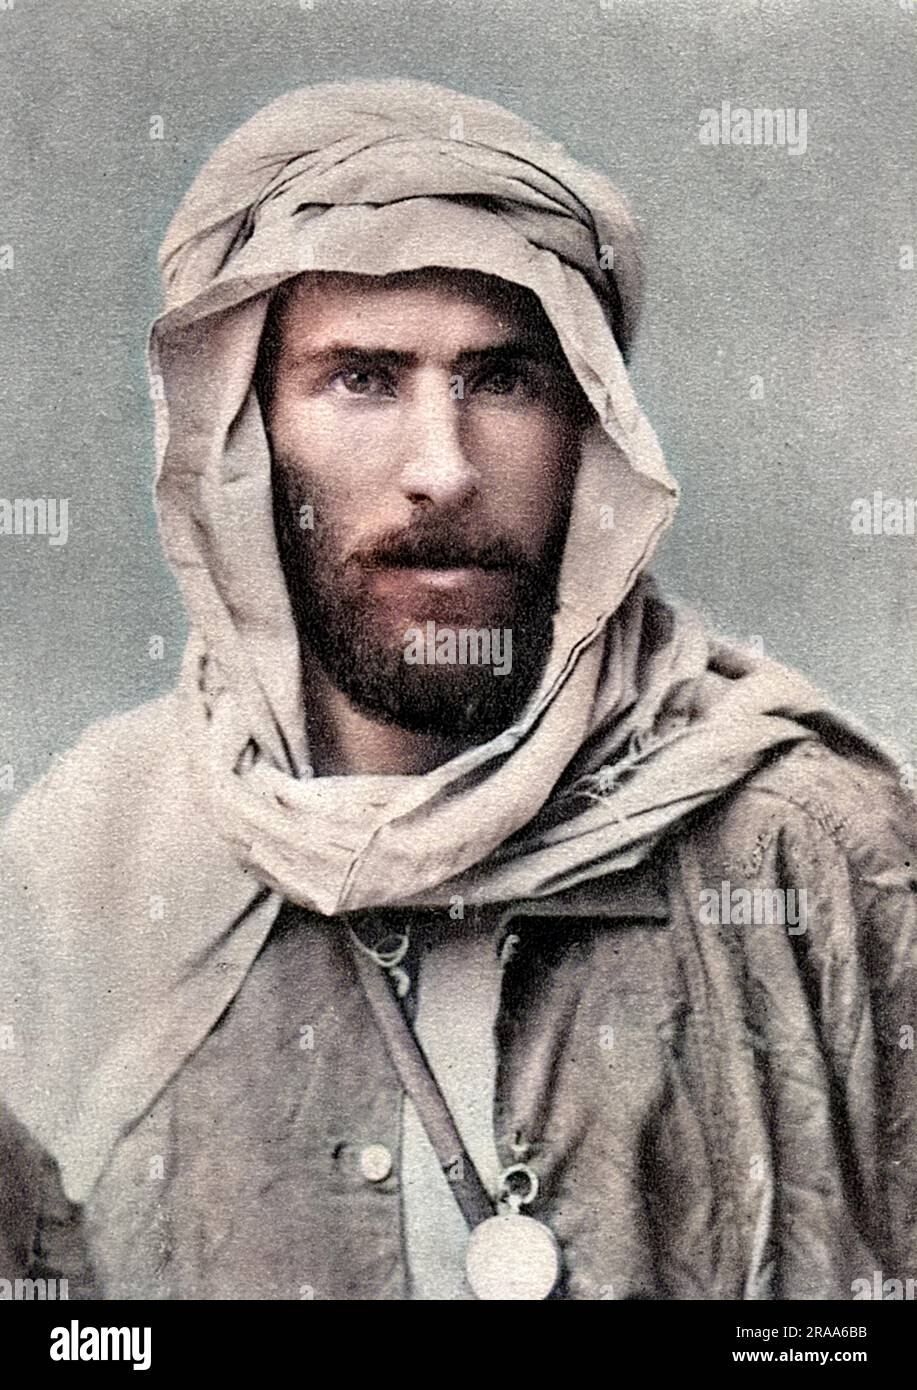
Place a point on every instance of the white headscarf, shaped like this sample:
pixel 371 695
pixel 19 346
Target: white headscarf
pixel 376 178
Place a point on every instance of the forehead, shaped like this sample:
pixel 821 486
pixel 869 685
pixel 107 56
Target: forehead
pixel 452 310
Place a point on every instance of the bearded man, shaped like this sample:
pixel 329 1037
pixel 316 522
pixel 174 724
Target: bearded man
pixel 365 965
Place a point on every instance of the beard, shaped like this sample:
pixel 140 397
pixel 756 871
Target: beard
pixel 362 651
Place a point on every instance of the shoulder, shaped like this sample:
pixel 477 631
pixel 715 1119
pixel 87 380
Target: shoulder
pixel 99 792
pixel 820 810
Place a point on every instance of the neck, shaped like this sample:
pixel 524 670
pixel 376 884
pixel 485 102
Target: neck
pixel 345 743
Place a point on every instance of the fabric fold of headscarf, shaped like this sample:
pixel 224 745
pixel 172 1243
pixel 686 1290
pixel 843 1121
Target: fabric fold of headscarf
pixel 375 178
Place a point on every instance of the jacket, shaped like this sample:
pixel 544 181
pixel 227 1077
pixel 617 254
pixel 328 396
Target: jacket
pixel 719 1104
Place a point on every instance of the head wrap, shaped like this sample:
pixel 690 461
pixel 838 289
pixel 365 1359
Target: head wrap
pixel 376 178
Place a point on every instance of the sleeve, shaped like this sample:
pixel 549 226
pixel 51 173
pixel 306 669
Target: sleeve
pixel 810 1008
pixel 853 846
pixel 41 1230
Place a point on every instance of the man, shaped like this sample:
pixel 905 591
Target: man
pixel 467 923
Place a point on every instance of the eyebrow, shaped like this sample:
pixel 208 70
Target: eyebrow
pixel 511 350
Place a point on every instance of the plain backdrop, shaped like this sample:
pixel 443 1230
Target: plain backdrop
pixel 760 265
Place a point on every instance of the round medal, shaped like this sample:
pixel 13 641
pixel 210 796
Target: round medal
pixel 512 1257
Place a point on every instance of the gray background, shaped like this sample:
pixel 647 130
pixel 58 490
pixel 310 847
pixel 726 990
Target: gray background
pixel 759 264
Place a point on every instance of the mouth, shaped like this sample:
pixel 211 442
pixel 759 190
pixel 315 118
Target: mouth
pixel 466 594
pixel 442 577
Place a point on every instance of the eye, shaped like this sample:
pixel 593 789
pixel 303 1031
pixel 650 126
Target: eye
pixel 362 381
pixel 506 379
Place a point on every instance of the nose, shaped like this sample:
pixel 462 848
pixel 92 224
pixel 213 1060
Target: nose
pixel 437 470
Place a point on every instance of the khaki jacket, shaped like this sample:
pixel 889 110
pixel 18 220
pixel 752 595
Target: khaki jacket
pixel 718 1104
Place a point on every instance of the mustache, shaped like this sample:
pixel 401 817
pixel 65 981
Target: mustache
pixel 432 547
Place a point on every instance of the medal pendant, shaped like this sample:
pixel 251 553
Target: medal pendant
pixel 512 1257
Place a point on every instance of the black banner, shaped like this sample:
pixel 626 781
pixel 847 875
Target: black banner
pixel 54 1339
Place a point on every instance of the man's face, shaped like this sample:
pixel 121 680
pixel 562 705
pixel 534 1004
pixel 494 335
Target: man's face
pixel 424 432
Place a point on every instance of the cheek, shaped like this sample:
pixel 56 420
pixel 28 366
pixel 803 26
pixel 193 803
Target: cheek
pixel 527 463
pixel 350 448
pixel 333 466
